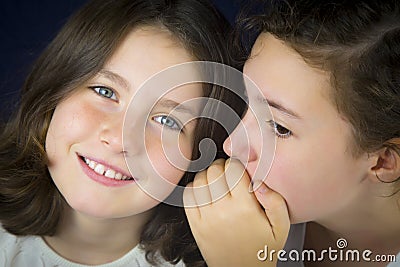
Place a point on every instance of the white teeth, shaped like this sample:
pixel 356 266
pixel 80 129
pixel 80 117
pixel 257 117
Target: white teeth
pixel 101 169
pixel 118 176
pixel 92 164
pixel 110 173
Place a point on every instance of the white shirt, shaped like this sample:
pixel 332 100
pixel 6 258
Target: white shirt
pixel 32 251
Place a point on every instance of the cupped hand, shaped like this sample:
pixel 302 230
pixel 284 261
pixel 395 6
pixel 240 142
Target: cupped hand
pixel 227 221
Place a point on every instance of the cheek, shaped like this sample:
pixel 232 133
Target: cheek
pixel 169 153
pixel 287 177
pixel 312 181
pixel 70 123
pixel 166 167
pixel 167 161
pixel 162 175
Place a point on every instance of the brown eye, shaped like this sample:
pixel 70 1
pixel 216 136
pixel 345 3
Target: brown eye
pixel 279 130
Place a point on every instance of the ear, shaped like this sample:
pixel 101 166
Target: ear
pixel 387 163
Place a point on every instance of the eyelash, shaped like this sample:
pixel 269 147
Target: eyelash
pixel 99 89
pixel 162 119
pixel 277 128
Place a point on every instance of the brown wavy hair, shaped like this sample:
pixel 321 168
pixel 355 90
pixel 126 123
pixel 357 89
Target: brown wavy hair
pixel 357 42
pixel 30 203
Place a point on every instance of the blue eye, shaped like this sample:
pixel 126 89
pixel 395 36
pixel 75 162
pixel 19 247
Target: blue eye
pixel 104 92
pixel 167 121
pixel 279 130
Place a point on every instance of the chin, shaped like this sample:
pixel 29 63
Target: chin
pixel 101 210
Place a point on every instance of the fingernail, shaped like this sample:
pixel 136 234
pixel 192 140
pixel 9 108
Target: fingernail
pixel 251 187
pixel 262 188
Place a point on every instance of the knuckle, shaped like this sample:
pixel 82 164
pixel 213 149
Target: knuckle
pixel 215 171
pixel 200 179
pixel 219 162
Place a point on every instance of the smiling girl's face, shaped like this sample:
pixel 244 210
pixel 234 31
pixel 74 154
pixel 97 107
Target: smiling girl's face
pixel 314 168
pixel 84 140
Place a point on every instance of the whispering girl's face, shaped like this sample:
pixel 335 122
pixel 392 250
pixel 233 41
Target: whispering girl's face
pixel 314 168
pixel 84 142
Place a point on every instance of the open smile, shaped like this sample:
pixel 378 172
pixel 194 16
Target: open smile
pixel 104 174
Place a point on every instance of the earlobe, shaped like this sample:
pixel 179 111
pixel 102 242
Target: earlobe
pixel 387 165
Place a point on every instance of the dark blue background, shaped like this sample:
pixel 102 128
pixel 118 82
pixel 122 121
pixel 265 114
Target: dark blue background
pixel 26 27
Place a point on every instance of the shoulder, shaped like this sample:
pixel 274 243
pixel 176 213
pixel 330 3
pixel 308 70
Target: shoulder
pixel 16 251
pixel 296 237
pixel 22 251
pixel 9 244
pixel 137 257
pixel 294 242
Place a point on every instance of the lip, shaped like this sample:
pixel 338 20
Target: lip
pixel 110 182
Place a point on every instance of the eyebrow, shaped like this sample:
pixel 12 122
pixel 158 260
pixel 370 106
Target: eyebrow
pixel 281 108
pixel 171 104
pixel 114 77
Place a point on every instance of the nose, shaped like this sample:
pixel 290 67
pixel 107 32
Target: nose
pixel 111 132
pixel 242 142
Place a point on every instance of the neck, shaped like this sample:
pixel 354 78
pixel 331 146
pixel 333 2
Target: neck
pixel 88 240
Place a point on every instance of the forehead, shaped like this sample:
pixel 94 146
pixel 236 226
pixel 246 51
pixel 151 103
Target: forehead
pixel 281 73
pixel 146 51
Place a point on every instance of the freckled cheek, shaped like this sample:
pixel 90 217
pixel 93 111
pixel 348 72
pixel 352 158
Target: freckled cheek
pixel 73 122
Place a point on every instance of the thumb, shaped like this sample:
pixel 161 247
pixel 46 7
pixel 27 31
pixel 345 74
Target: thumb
pixel 275 209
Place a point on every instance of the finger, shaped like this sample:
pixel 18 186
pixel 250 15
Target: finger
pixel 236 177
pixel 200 189
pixel 190 205
pixel 275 209
pixel 189 200
pixel 216 180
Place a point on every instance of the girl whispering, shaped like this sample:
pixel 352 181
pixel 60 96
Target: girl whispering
pixel 329 71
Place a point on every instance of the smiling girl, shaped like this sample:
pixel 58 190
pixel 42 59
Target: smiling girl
pixel 67 196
